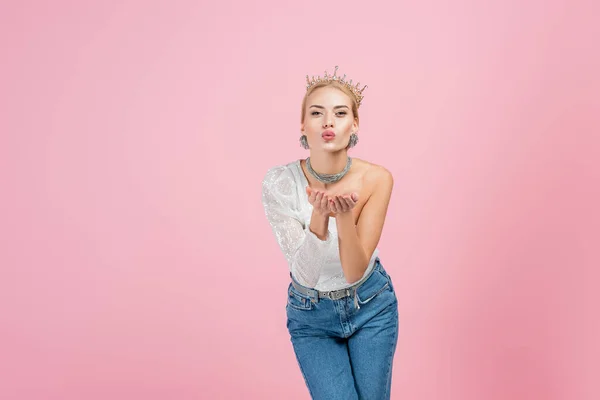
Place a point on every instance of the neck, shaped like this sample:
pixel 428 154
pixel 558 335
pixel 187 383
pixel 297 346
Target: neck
pixel 329 163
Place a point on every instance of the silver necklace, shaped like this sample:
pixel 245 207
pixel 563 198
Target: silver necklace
pixel 328 178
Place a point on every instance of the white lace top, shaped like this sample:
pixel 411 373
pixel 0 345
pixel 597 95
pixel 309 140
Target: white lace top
pixel 313 262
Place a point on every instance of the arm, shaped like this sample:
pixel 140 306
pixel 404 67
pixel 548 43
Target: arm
pixel 304 247
pixel 357 243
pixel 319 225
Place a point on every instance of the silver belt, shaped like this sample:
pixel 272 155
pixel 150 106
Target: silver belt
pixel 333 294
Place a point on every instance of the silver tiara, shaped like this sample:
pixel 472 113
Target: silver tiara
pixel 328 78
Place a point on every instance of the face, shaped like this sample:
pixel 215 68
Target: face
pixel 328 109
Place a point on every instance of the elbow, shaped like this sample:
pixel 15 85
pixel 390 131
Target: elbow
pixel 353 280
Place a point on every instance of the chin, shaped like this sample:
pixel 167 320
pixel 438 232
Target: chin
pixel 332 148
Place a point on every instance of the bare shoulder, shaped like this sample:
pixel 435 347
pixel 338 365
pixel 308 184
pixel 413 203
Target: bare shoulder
pixel 374 174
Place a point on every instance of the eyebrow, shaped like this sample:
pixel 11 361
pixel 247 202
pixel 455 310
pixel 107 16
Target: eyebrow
pixel 317 106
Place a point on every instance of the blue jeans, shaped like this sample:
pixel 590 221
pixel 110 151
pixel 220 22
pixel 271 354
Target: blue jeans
pixel 346 351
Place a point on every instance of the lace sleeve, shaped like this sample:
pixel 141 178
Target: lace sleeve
pixel 304 251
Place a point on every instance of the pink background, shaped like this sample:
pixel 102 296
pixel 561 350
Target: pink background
pixel 136 261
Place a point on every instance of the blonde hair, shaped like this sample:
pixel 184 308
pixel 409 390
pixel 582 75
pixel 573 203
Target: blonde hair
pixel 336 85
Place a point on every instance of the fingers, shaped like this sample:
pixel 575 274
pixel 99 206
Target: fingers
pixel 339 204
pixel 343 203
pixel 324 202
pixel 312 194
pixel 350 202
pixel 318 198
pixel 333 205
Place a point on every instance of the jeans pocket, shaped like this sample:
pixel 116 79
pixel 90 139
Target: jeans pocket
pixel 297 300
pixel 377 283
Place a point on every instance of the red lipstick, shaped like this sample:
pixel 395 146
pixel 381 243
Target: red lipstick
pixel 328 135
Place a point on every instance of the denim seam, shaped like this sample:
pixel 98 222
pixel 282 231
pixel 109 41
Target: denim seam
pixel 391 357
pixel 307 307
pixel 304 376
pixel 336 305
pixel 295 307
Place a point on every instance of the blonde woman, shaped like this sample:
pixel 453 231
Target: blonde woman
pixel 327 213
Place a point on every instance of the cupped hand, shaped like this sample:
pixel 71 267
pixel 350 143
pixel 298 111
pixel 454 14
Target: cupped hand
pixel 319 199
pixel 340 204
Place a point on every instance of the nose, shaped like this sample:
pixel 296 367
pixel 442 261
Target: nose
pixel 328 123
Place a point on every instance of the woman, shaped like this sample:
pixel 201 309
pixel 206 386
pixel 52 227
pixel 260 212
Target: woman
pixel 327 213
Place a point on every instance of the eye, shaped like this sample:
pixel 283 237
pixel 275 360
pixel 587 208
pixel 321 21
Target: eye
pixel 342 113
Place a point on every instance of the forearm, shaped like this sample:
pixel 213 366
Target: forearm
pixel 308 260
pixel 319 224
pixel 352 255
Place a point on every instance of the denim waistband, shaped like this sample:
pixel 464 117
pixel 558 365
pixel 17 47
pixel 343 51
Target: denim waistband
pixel 333 294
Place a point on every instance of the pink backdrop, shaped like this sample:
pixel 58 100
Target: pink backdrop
pixel 136 261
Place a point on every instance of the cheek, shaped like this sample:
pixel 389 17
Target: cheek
pixel 315 126
pixel 347 128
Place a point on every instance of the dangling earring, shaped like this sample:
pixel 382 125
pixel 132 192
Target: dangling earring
pixel 353 140
pixel 304 141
